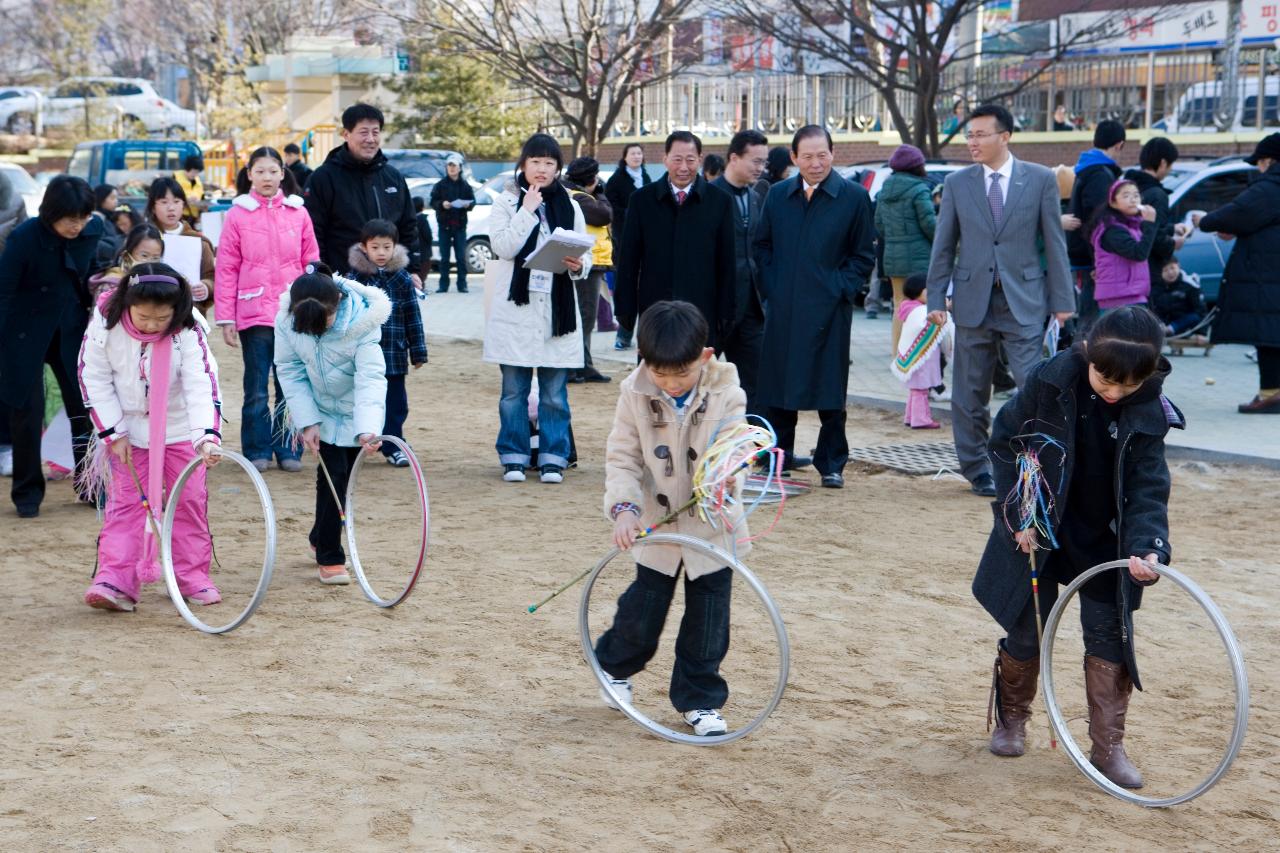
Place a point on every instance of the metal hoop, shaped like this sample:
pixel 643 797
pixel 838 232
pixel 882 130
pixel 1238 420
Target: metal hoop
pixel 1237 673
pixel 706 549
pixel 268 556
pixel 356 566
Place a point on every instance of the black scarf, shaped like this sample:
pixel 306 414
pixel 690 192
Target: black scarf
pixel 559 210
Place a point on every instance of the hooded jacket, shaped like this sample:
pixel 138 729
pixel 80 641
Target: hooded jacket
pixel 265 245
pixel 337 380
pixel 646 420
pixel 344 193
pixel 1095 172
pixel 906 221
pixel 402 337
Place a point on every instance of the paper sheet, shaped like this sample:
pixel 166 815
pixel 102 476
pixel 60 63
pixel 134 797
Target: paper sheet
pixel 183 254
pixel 562 243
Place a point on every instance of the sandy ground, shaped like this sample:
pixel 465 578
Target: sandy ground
pixel 458 722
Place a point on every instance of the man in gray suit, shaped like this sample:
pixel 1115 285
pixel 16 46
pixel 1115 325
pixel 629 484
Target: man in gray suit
pixel 995 216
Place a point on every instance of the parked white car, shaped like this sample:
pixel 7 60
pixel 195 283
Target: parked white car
pixel 20 107
pixel 24 185
pixel 129 99
pixel 1198 108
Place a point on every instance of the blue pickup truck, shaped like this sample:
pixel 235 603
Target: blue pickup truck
pixel 130 165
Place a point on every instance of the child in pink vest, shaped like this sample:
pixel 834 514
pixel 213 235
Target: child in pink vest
pixel 1122 234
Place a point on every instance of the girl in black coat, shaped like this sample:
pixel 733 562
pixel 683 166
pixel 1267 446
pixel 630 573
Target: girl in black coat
pixel 44 309
pixel 1102 405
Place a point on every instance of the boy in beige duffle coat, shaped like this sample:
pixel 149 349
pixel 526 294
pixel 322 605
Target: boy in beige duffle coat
pixel 669 412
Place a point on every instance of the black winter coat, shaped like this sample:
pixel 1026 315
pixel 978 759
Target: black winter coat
pixel 344 193
pixel 746 274
pixel 301 173
pixel 1249 298
pixel 813 257
pixel 450 190
pixel 43 292
pixel 1087 195
pixel 1047 404
pixel 671 251
pixel 1171 301
pixel 619 189
pixel 425 238
pixel 1154 194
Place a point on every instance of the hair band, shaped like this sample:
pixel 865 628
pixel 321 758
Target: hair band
pixel 168 279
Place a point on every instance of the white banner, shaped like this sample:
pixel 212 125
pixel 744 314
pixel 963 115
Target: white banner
pixel 1166 27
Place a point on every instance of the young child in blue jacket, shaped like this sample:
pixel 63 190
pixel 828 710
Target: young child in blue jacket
pixel 330 365
pixel 378 261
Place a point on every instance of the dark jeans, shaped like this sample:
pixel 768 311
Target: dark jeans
pixel 1086 306
pixel 26 428
pixel 588 295
pixel 453 241
pixel 701 645
pixel 1268 367
pixel 833 446
pixel 742 348
pixel 397 412
pixel 1100 617
pixel 261 424
pixel 1185 322
pixel 326 533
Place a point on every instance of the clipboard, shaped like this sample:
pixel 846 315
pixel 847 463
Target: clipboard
pixel 183 253
pixel 562 243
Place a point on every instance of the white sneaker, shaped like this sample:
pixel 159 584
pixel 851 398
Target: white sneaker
pixel 513 473
pixel 6 460
pixel 706 722
pixel 622 686
pixel 552 474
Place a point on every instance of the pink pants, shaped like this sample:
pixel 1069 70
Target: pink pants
pixel 125 534
pixel 918 413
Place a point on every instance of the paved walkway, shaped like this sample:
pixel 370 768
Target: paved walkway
pixel 1207 390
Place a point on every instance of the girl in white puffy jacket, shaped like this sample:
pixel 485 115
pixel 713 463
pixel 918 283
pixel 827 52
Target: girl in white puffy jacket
pixel 151 387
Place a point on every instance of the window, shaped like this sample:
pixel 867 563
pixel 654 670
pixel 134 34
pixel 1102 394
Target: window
pixel 1212 192
pixel 70 90
pixel 9 93
pixel 79 165
pixel 123 89
pixel 1249 117
pixel 1198 112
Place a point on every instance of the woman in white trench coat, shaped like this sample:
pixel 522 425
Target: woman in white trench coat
pixel 533 316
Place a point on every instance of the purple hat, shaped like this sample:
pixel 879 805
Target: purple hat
pixel 906 157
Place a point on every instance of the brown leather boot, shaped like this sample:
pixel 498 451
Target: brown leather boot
pixel 1013 686
pixel 1108 688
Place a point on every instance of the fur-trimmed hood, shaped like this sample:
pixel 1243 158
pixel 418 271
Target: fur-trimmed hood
pixel 366 309
pixel 359 261
pixel 252 201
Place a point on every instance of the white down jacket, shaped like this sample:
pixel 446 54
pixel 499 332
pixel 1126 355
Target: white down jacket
pixel 115 377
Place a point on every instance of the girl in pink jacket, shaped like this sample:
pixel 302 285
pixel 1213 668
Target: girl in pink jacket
pixel 266 241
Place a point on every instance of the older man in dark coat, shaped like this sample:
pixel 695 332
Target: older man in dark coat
pixel 678 244
pixel 814 250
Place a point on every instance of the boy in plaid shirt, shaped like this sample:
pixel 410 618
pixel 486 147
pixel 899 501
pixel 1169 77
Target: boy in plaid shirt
pixel 379 261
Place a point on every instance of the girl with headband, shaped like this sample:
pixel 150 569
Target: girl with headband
pixel 151 387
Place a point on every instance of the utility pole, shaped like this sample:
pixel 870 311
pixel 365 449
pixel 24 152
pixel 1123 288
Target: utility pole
pixel 1230 91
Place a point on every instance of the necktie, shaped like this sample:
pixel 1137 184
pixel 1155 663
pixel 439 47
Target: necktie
pixel 808 193
pixel 680 197
pixel 744 206
pixel 996 199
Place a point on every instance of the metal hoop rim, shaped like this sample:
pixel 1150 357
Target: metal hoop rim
pixel 771 608
pixel 423 503
pixel 269 550
pixel 1238 674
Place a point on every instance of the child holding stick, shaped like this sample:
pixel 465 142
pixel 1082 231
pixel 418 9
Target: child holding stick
pixel 151 386
pixel 329 360
pixel 1095 417
pixel 669 410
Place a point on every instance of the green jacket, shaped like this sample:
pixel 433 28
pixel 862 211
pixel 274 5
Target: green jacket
pixel 905 220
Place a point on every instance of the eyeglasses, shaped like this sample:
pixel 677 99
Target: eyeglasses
pixel 971 135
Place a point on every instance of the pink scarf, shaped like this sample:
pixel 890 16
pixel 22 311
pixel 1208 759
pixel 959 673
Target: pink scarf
pixel 161 345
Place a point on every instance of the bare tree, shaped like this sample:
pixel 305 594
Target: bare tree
pixel 905 49
pixel 583 58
